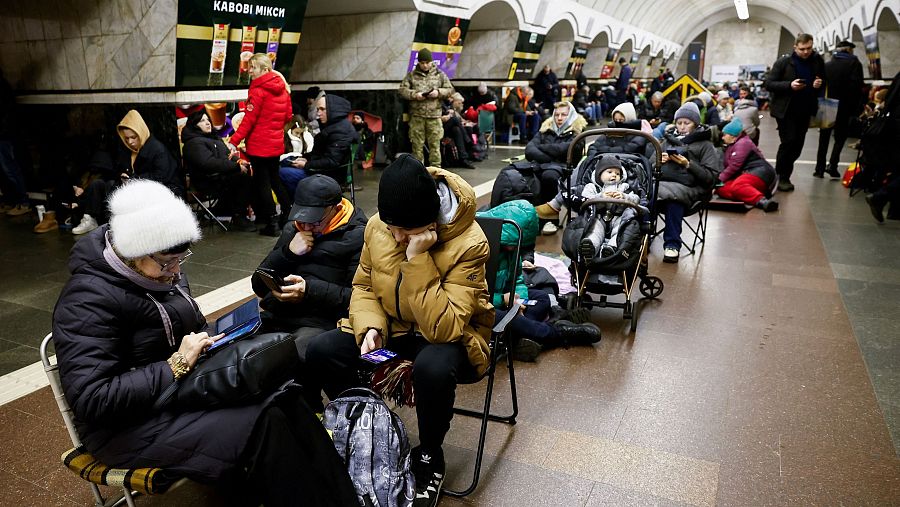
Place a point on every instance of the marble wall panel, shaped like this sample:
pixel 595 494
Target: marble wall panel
pixel 16 23
pixel 119 16
pixel 31 16
pixel 487 54
pixel 38 66
pixel 167 45
pixel 889 45
pixel 71 12
pixel 132 54
pixel 741 43
pixel 78 76
pixel 50 16
pixel 158 20
pixel 354 48
pixel 157 71
pixel 89 16
pixel 556 54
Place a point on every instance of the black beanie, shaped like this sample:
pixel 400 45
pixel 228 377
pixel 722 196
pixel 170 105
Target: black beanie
pixel 407 194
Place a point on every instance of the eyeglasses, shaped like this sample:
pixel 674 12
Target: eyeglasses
pixel 177 261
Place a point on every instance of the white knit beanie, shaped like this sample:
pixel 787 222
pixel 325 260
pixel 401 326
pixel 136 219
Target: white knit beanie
pixel 146 217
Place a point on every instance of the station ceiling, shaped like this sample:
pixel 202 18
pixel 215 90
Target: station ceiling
pixel 682 20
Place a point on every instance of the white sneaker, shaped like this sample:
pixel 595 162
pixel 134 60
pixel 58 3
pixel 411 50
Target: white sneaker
pixel 549 229
pixel 86 225
pixel 670 255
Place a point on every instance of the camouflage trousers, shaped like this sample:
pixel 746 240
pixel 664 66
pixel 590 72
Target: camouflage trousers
pixel 430 130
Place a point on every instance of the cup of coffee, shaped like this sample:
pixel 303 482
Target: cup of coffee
pixel 218 61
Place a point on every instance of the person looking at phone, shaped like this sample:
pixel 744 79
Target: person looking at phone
pixel 125 328
pixel 690 167
pixel 305 281
pixel 419 291
pixel 795 83
pixel 425 87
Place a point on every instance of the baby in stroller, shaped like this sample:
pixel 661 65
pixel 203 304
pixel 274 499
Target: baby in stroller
pixel 608 180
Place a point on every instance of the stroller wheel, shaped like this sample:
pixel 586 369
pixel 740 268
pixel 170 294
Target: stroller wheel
pixel 651 286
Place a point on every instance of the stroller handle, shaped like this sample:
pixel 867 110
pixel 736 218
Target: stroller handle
pixel 612 132
pixel 608 200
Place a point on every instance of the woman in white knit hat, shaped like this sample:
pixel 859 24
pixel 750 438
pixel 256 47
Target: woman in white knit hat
pixel 125 328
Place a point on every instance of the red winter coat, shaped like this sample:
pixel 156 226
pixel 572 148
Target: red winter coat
pixel 268 110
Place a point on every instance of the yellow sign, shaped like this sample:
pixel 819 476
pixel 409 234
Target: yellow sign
pixel 685 86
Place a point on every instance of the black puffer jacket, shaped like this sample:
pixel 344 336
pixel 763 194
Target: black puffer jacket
pixel 328 270
pixel 778 82
pixel 331 147
pixel 112 347
pixel 687 185
pixel 153 162
pixel 206 158
pixel 627 144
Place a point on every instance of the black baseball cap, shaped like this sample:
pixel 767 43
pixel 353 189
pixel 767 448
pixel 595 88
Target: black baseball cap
pixel 314 194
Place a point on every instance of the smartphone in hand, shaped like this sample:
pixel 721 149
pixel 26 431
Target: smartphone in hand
pixel 378 356
pixel 272 280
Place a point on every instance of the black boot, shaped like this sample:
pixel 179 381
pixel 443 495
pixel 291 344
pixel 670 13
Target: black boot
pixel 570 333
pixel 833 171
pixel 241 224
pixel 767 205
pixel 876 206
pixel 271 228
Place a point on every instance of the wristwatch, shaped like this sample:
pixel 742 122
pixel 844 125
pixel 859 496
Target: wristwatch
pixel 179 365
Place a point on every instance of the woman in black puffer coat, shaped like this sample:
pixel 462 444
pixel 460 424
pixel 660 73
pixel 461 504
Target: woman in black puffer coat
pixel 687 176
pixel 125 328
pixel 213 172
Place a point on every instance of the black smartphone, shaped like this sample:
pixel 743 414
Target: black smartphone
pixel 673 151
pixel 378 356
pixel 271 279
pixel 802 81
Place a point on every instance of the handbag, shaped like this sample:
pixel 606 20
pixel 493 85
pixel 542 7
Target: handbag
pixel 236 374
pixel 826 115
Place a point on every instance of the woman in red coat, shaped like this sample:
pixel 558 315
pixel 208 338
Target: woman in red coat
pixel 262 130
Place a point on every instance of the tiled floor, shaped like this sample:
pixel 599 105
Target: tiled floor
pixel 765 374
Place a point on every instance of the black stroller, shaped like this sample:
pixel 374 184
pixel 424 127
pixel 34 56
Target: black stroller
pixel 626 268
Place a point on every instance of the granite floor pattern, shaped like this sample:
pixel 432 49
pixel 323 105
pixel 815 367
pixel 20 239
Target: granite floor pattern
pixel 764 375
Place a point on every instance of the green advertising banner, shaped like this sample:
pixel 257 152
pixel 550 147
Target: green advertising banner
pixel 528 52
pixel 216 38
pixel 576 61
pixel 443 36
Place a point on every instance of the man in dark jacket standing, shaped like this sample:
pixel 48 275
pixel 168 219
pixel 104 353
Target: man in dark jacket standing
pixel 546 89
pixel 331 147
pixel 844 75
pixel 316 256
pixel 795 83
pixel 623 80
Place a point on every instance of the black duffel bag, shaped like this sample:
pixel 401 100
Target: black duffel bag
pixel 236 374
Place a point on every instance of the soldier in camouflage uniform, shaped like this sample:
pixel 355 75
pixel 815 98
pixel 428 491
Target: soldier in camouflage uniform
pixel 425 87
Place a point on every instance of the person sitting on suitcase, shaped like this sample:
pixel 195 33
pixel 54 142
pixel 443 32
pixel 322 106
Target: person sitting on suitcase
pixel 608 180
pixel 420 291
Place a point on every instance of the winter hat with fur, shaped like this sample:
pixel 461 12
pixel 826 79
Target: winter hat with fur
pixel 146 217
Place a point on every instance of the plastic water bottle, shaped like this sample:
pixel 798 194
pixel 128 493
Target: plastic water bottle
pixel 40 211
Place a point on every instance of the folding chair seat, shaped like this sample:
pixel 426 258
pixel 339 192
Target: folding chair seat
pixel 486 126
pixel 133 481
pixel 695 218
pixel 499 345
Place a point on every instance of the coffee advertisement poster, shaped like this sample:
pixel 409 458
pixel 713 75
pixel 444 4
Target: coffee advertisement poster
pixel 216 38
pixel 443 36
pixel 576 61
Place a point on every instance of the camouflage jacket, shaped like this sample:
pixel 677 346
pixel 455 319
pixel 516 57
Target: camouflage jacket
pixel 420 82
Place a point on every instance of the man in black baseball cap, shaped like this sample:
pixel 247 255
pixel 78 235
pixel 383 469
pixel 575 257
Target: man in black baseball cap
pixel 305 280
pixel 314 196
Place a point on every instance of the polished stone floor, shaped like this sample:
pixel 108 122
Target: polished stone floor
pixel 766 374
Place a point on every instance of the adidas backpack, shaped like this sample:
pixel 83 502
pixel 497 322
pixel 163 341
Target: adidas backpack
pixel 372 441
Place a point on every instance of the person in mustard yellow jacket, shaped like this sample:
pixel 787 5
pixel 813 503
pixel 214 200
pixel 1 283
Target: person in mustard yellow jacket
pixel 420 291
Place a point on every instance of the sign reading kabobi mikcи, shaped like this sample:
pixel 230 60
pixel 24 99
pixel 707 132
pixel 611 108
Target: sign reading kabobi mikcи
pixel 216 38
